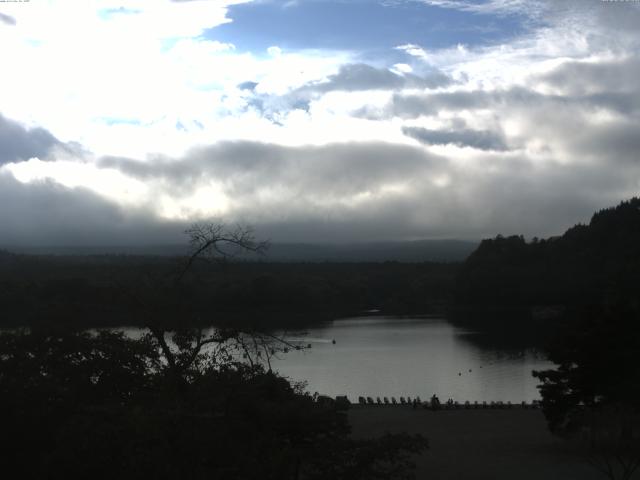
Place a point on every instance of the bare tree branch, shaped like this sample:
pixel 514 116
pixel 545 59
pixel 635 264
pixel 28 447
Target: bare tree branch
pixel 210 239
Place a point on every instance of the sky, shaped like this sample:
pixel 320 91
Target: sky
pixel 314 120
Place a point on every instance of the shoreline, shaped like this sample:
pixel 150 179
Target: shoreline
pixel 455 405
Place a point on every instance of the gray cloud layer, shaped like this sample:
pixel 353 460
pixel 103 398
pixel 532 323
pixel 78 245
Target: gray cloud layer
pixel 303 193
pixel 350 78
pixel 46 213
pixel 580 78
pixel 247 168
pixel 507 195
pixel 542 156
pixel 18 143
pixel 360 76
pixel 7 19
pixel 480 139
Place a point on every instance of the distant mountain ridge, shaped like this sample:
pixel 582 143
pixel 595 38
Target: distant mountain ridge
pixel 406 252
pixel 413 251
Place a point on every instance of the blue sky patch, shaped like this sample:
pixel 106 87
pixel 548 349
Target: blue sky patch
pixel 361 25
pixel 107 13
pixel 120 121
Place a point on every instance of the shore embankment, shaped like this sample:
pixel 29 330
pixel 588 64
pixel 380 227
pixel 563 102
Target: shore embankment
pixel 479 444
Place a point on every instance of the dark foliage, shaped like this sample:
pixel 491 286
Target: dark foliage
pixel 86 292
pixel 77 405
pixel 592 396
pixel 507 277
pixel 180 402
pixel 598 364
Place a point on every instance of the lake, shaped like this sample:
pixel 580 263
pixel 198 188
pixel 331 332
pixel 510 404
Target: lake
pixel 384 356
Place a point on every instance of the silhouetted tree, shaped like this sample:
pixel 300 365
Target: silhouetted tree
pixel 174 325
pixel 588 263
pixel 179 402
pixel 593 396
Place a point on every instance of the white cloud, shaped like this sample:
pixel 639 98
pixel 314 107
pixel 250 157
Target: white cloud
pixel 402 68
pixel 531 8
pixel 542 128
pixel 413 50
pixel 274 51
pixel 115 79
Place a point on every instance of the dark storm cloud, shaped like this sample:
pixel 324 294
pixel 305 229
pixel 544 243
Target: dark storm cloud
pixel 521 197
pixel 338 192
pixel 480 139
pixel 330 170
pixel 517 197
pixel 330 193
pixel 46 213
pixel 18 143
pixel 7 19
pixel 618 142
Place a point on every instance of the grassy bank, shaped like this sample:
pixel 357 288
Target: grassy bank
pixel 478 444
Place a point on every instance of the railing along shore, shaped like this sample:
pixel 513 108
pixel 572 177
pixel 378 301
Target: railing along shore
pixel 432 404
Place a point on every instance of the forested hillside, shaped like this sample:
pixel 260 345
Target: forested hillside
pixel 94 291
pixel 593 263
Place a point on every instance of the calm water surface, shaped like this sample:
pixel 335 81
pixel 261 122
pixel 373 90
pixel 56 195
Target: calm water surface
pixel 381 356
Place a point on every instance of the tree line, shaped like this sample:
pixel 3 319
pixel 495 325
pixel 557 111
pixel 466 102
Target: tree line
pixel 90 291
pixel 591 278
pixel 179 402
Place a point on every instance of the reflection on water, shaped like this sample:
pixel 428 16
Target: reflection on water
pixel 378 356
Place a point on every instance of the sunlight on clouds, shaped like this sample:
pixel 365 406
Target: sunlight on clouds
pixel 413 50
pixel 109 183
pixel 158 19
pixel 394 188
pixel 325 128
pixel 207 201
pixel 352 201
pixel 144 83
pixel 274 51
pixel 364 198
pixel 441 181
pixel 343 103
pixel 401 68
pixel 104 63
pixel 278 74
pixel 202 201
pixel 503 65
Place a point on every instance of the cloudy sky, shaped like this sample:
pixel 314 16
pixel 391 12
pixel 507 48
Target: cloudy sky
pixel 314 120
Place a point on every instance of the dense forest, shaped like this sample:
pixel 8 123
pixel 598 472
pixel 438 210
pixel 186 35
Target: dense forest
pixel 506 281
pixel 508 278
pixel 181 401
pixel 75 403
pixel 95 290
